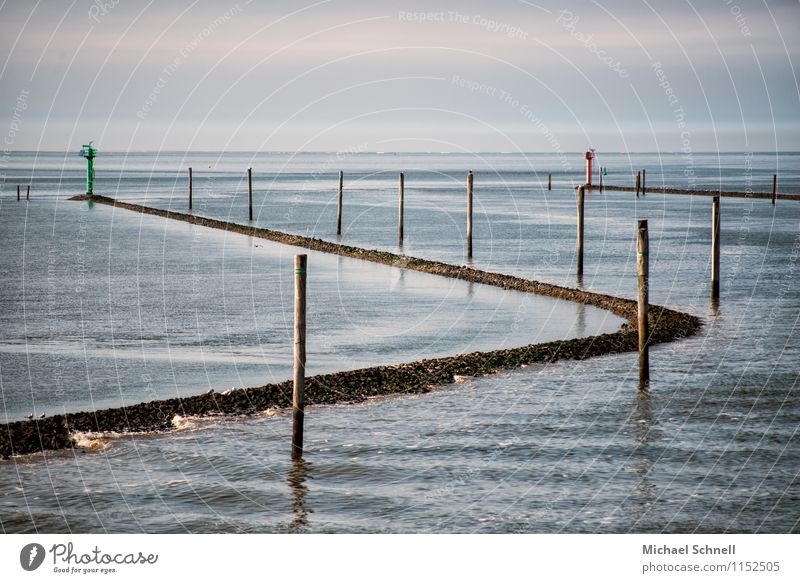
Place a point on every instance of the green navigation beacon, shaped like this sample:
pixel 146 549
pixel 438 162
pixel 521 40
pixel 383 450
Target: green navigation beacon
pixel 88 152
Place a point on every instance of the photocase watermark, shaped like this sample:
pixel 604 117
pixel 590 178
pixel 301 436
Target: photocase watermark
pixel 680 120
pixel 20 105
pixel 327 170
pixel 744 222
pixel 65 559
pixel 101 8
pixel 786 286
pixel 54 298
pixel 330 162
pixel 421 16
pixel 31 556
pixel 738 15
pixel 168 71
pixel 522 108
pixel 453 16
pixel 568 21
pixel 469 474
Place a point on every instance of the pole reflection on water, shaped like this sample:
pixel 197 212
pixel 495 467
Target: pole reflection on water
pixel 643 464
pixel 580 319
pixel 299 472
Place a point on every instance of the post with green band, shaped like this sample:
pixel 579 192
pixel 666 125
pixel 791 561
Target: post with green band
pixel 298 396
pixel 643 273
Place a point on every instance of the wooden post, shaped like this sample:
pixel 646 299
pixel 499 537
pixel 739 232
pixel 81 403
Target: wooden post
pixel 339 210
pixel 644 181
pixel 469 214
pixel 250 191
pixel 601 179
pixel 715 222
pixel 549 182
pixel 580 231
pixel 298 395
pixel 400 209
pixel 774 188
pixel 190 188
pixel 642 272
pixel 638 182
pixel 28 193
pixel 17 191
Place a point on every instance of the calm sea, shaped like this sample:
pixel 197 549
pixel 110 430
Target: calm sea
pixel 104 307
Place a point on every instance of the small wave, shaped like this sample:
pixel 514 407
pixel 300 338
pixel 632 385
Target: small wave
pixel 271 412
pixel 91 441
pixel 183 423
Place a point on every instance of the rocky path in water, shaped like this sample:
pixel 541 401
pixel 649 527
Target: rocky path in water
pixel 56 431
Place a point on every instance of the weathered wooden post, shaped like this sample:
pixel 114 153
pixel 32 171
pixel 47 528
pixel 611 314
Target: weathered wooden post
pixel 190 188
pixel 17 191
pixel 715 222
pixel 644 181
pixel 638 182
pixel 339 209
pixel 400 209
pixel 642 272
pixel 469 214
pixel 28 193
pixel 298 395
pixel 580 231
pixel 549 182
pixel 250 191
pixel 601 179
pixel 774 188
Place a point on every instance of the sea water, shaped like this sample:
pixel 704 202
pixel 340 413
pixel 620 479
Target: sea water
pixel 103 307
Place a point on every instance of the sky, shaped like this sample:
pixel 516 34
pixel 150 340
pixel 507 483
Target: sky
pixel 331 75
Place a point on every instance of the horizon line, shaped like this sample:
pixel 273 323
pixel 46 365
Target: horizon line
pixel 402 152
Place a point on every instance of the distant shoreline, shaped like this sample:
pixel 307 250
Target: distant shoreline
pixel 577 153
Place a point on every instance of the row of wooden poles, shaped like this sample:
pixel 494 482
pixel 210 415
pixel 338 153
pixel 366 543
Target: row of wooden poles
pixel 642 271
pixel 642 297
pixel 341 200
pixel 27 194
pixel 640 187
pixel 643 275
pixel 643 303
pixel 715 241
pixel 642 281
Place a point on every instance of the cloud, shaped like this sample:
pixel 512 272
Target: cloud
pixel 196 74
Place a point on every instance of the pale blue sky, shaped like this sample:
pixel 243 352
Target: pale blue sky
pixel 419 75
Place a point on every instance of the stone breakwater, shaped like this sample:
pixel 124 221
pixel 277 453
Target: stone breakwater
pixel 722 193
pixel 56 432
